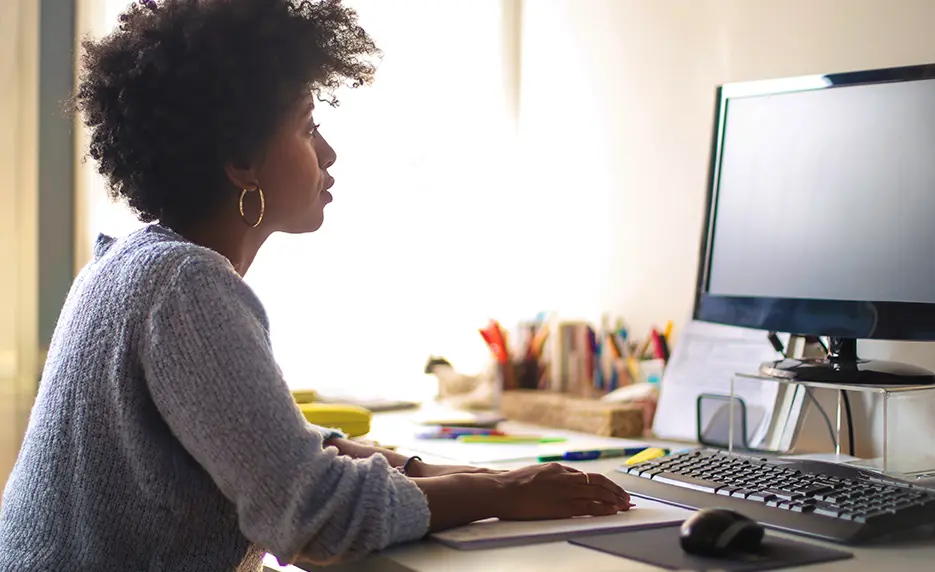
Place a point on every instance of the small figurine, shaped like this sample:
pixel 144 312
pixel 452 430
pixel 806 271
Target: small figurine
pixel 463 391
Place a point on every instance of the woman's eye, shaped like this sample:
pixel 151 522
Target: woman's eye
pixel 313 130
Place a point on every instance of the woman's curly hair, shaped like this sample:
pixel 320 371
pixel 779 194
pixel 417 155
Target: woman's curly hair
pixel 183 87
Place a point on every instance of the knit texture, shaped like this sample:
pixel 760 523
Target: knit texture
pixel 164 438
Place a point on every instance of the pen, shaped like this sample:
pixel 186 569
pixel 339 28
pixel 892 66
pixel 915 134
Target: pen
pixel 597 366
pixel 614 346
pixel 508 439
pixel 591 455
pixel 644 345
pixel 455 432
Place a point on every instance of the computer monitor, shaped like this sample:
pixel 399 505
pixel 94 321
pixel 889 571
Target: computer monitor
pixel 821 217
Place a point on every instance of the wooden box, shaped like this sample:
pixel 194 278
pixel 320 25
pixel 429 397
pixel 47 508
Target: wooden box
pixel 563 411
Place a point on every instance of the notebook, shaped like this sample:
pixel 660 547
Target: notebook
pixel 495 533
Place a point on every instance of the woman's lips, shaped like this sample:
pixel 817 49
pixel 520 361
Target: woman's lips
pixel 326 196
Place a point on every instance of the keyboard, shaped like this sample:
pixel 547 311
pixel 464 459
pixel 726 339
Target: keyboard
pixel 834 502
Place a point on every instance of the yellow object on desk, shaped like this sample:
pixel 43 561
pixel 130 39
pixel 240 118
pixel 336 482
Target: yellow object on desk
pixel 304 395
pixel 352 420
pixel 647 455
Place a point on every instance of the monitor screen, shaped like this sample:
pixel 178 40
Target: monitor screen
pixel 828 194
pixel 822 209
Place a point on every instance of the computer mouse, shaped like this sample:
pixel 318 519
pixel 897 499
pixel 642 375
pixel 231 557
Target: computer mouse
pixel 720 532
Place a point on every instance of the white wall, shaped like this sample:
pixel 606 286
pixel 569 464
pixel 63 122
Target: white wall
pixel 617 99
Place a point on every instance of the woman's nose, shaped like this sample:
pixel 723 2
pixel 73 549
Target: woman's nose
pixel 326 154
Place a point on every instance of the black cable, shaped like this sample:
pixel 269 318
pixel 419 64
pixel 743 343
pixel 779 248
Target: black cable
pixel 824 414
pixel 850 423
pixel 847 406
pixel 778 346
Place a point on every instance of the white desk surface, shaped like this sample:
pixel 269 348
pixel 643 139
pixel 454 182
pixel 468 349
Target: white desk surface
pixel 908 555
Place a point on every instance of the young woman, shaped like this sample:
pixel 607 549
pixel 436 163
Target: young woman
pixel 163 436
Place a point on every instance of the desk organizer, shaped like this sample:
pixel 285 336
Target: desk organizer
pixel 552 409
pixel 900 419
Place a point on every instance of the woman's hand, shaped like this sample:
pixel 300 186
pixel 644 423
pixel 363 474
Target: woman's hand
pixel 541 492
pixel 537 492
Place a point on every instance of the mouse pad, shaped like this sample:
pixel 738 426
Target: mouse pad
pixel 660 547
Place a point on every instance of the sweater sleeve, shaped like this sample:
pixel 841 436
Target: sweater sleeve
pixel 210 371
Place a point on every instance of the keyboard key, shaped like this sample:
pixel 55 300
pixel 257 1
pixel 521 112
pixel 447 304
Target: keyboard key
pixel 688 482
pixel 783 494
pixel 825 509
pixel 812 490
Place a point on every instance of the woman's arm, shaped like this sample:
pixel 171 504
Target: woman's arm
pixel 416 468
pixel 211 374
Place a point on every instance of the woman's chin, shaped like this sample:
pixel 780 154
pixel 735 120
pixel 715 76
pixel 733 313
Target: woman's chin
pixel 310 223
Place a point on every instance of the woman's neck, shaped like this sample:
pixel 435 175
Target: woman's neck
pixel 230 237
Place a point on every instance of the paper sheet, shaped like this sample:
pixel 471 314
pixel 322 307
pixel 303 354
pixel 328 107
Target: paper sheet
pixel 492 533
pixel 705 359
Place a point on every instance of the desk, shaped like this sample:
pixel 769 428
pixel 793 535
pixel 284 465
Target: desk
pixel 909 555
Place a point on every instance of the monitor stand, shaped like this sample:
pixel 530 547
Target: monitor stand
pixel 842 366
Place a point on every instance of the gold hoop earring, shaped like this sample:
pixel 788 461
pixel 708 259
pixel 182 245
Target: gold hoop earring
pixel 259 219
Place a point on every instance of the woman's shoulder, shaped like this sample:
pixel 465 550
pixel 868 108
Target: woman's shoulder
pixel 155 258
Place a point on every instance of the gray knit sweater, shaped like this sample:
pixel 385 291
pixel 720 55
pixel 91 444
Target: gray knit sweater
pixel 164 438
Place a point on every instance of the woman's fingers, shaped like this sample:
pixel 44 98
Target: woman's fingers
pixel 595 482
pixel 592 508
pixel 601 481
pixel 598 494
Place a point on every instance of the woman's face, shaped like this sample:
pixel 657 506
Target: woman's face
pixel 294 174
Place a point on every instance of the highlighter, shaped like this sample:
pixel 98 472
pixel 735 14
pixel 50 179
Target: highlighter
pixel 647 455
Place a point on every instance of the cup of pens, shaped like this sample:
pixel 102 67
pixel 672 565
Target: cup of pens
pixel 518 366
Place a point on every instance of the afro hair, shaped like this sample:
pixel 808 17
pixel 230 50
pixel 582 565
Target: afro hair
pixel 184 87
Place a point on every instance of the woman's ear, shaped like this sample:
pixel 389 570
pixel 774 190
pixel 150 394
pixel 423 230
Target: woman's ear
pixel 242 175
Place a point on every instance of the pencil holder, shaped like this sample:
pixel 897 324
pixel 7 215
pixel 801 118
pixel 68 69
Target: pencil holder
pixel 527 374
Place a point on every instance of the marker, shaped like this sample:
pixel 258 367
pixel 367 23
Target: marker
pixel 509 439
pixel 634 369
pixel 667 332
pixel 660 348
pixel 647 455
pixel 591 455
pixel 455 432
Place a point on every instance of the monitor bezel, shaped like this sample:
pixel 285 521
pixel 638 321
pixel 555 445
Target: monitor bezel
pixel 816 317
